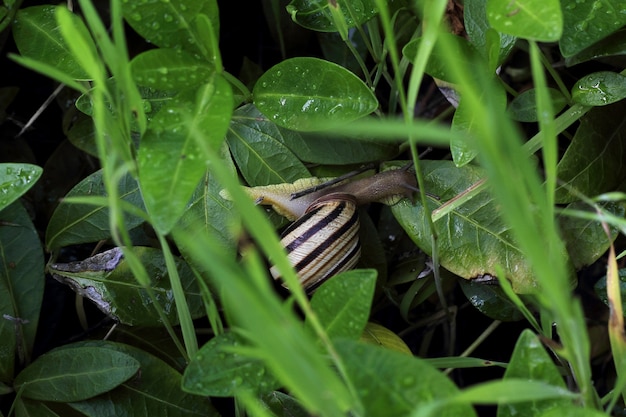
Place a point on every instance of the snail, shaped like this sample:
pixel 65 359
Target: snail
pixel 323 239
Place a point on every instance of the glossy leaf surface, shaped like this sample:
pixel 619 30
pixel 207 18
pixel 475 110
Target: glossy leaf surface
pixel 595 160
pixel 72 223
pixel 218 370
pixel 316 14
pixel 477 27
pixel 489 299
pixel 15 180
pixel 393 384
pixel 38 36
pixel 599 89
pixel 523 108
pixel 21 286
pixel 156 393
pixel 601 289
pixel 312 94
pixel 74 374
pixel 343 303
pixel 170 160
pixel 106 280
pixel 169 69
pixel 539 20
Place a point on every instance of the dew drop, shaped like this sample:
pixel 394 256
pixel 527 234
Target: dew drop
pixel 136 17
pixel 279 73
pixel 581 25
pixel 155 25
pixel 168 17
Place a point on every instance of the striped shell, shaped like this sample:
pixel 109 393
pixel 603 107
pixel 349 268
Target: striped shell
pixel 324 241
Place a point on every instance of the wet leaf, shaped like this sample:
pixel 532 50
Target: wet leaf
pixel 218 370
pixel 72 223
pixel 594 161
pixel 477 26
pixel 169 69
pixel 171 24
pixel 599 89
pixel 473 238
pixel 523 108
pixel 156 392
pixel 601 289
pixel 315 14
pixel 74 374
pixel 586 240
pixel 21 286
pixel 171 163
pixel 38 36
pixel 257 147
pixel 393 384
pixel 375 334
pixel 343 303
pixel 539 20
pixel 106 280
pixel 282 404
pixel 307 94
pixel 15 180
pixel 614 44
pixel 588 21
pixel 530 361
pixel 489 299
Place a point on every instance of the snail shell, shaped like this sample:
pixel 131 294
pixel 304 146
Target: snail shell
pixel 324 241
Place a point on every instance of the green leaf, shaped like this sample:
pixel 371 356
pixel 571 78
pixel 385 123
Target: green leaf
pixel 29 408
pixel 38 36
pixel 530 361
pixel 343 303
pixel 156 393
pixel 308 94
pixel 587 22
pixel 394 384
pixel 377 335
pixel 316 14
pixel 15 180
pixel 601 289
pixel 612 45
pixel 72 223
pixel 257 146
pixel 106 280
pixel 586 240
pixel 594 161
pixel 477 26
pixel 523 108
pixel 74 374
pixel 21 286
pixel 169 69
pixel 539 20
pixel 599 89
pixel 473 238
pixel 170 161
pixel 489 299
pixel 218 370
pixel 572 411
pixel 171 24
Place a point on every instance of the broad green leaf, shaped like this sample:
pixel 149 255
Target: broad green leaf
pixel 599 89
pixel 594 161
pixel 586 240
pixel 477 27
pixel 73 223
pixel 169 69
pixel 601 289
pixel 38 36
pixel 21 286
pixel 343 303
pixel 489 299
pixel 393 384
pixel 106 280
pixel 15 180
pixel 437 65
pixel 377 335
pixel 170 160
pixel 614 44
pixel 257 147
pixel 171 24
pixel 316 14
pixel 30 408
pixel 307 94
pixel 539 20
pixel 74 374
pixel 572 411
pixel 283 404
pixel 218 370
pixel 523 108
pixel 156 393
pixel 587 22
pixel 531 361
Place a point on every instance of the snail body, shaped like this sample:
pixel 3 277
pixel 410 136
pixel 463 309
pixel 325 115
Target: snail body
pixel 324 238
